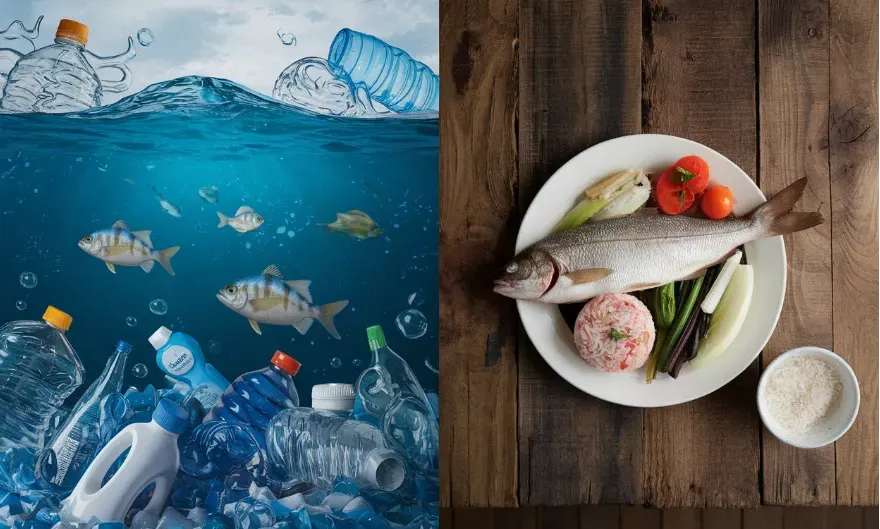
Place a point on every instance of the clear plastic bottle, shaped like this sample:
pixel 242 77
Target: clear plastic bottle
pixel 38 370
pixel 67 456
pixel 391 76
pixel 316 447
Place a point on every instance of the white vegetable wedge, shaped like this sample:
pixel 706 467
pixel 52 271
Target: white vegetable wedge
pixel 720 285
pixel 729 316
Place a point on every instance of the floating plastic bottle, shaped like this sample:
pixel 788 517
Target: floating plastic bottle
pixel 67 456
pixel 390 75
pixel 60 78
pixel 38 370
pixel 315 447
pixel 180 356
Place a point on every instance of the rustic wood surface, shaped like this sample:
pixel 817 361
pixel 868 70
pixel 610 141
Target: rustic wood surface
pixel 785 89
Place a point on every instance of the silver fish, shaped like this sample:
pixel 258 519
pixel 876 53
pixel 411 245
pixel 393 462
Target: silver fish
pixel 209 194
pixel 167 206
pixel 244 220
pixel 121 246
pixel 638 252
pixel 267 298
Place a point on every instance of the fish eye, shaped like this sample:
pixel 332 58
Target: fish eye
pixel 259 218
pixel 511 268
pixel 88 238
pixel 230 290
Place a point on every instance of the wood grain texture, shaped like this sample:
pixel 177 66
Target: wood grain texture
pixel 579 85
pixel 721 519
pixel 699 82
pixel 681 518
pixel 640 518
pixel 600 517
pixel 477 204
pixel 854 174
pixel 793 108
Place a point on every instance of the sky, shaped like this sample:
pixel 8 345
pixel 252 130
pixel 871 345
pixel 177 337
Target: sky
pixel 231 39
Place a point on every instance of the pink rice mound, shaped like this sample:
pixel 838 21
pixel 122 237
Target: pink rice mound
pixel 614 333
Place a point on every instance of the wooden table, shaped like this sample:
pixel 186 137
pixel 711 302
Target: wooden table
pixel 784 88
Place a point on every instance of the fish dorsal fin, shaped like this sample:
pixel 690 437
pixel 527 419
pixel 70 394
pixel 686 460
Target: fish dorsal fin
pixel 244 209
pixel 301 287
pixel 119 225
pixel 588 276
pixel 273 271
pixel 144 235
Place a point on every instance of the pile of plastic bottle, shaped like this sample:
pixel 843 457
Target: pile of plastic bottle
pixel 207 453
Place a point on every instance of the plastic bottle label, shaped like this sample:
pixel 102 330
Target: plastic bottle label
pixel 208 394
pixel 177 360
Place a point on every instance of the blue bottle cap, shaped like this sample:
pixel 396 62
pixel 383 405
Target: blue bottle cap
pixel 125 347
pixel 171 416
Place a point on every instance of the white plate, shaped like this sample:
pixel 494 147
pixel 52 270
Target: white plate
pixel 550 333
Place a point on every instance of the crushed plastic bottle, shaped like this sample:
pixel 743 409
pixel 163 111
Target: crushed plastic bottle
pixel 215 449
pixel 67 456
pixel 313 84
pixel 316 447
pixel 38 370
pixel 60 77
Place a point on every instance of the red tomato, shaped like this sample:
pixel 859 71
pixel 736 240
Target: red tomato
pixel 672 196
pixel 693 173
pixel 717 202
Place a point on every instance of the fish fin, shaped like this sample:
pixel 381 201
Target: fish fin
pixel 144 235
pixel 776 217
pixel 164 258
pixel 643 286
pixel 303 325
pixel 265 303
pixel 588 276
pixel 273 271
pixel 255 326
pixel 240 230
pixel 119 225
pixel 301 287
pixel 148 265
pixel 110 267
pixel 244 209
pixel 326 314
pixel 224 220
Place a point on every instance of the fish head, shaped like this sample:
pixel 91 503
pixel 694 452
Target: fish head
pixel 233 296
pixel 91 244
pixel 528 276
pixel 255 220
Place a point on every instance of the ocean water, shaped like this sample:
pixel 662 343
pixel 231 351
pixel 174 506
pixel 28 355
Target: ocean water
pixel 65 176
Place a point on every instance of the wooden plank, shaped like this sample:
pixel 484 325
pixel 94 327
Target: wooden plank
pixel 854 173
pixel 579 85
pixel 680 519
pixel 469 517
pixel 640 518
pixel 600 517
pixel 871 518
pixel 721 518
pixel 763 518
pixel 699 82
pixel 805 518
pixel 477 178
pixel 793 100
pixel 557 518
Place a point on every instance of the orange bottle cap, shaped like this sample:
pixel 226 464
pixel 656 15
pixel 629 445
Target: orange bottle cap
pixel 287 363
pixel 72 30
pixel 57 318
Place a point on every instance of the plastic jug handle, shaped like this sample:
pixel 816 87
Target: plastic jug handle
pixel 160 494
pixel 116 86
pixel 116 62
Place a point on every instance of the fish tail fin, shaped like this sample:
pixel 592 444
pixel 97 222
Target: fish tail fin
pixel 326 314
pixel 224 220
pixel 147 266
pixel 165 256
pixel 776 218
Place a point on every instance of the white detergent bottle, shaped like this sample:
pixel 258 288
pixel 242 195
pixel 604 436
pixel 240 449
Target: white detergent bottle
pixel 153 458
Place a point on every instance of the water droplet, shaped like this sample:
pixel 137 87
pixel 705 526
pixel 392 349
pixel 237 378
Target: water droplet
pixel 356 362
pixel 287 38
pixel 335 362
pixel 145 37
pixel 139 370
pixel 429 366
pixel 412 323
pixel 158 307
pixel 28 279
pixel 21 304
pixel 131 321
pixel 215 347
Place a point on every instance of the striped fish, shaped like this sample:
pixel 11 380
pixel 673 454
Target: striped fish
pixel 267 298
pixel 121 246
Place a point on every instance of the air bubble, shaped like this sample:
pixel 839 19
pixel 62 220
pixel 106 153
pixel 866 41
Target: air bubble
pixel 158 307
pixel 145 37
pixel 28 279
pixel 140 370
pixel 335 362
pixel 356 362
pixel 287 38
pixel 412 323
pixel 21 304
pixel 131 321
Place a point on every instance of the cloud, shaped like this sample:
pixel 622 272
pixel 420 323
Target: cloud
pixel 315 16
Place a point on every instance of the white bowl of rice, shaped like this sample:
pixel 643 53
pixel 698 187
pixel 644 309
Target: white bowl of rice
pixel 808 397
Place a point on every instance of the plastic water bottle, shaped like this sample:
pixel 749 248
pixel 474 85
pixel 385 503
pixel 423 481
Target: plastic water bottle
pixel 59 77
pixel 152 458
pixel 333 398
pixel 316 447
pixel 391 76
pixel 38 370
pixel 68 454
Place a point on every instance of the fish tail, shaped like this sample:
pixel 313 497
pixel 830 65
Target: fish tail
pixel 326 314
pixel 776 218
pixel 164 258
pixel 224 220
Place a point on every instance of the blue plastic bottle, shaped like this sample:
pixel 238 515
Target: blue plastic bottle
pixel 391 76
pixel 180 356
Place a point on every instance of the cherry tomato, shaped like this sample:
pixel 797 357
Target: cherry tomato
pixel 672 197
pixel 717 202
pixel 693 173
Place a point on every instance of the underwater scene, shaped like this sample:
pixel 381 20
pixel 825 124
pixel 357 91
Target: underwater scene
pixel 246 279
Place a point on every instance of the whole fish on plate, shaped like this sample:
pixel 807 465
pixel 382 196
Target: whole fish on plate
pixel 121 246
pixel 640 252
pixel 244 220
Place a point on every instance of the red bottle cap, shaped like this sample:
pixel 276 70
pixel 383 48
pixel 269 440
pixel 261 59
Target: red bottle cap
pixel 287 363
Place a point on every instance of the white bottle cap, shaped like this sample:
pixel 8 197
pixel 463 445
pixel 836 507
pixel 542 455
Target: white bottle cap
pixel 384 469
pixel 160 337
pixel 333 397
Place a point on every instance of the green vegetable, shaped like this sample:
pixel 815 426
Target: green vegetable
pixel 581 213
pixel 685 175
pixel 681 319
pixel 664 304
pixel 616 335
pixel 659 341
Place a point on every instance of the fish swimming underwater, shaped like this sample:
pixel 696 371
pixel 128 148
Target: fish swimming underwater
pixel 354 223
pixel 167 206
pixel 121 246
pixel 245 220
pixel 639 252
pixel 209 194
pixel 267 298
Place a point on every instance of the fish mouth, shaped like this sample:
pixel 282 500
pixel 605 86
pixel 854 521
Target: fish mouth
pixel 504 288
